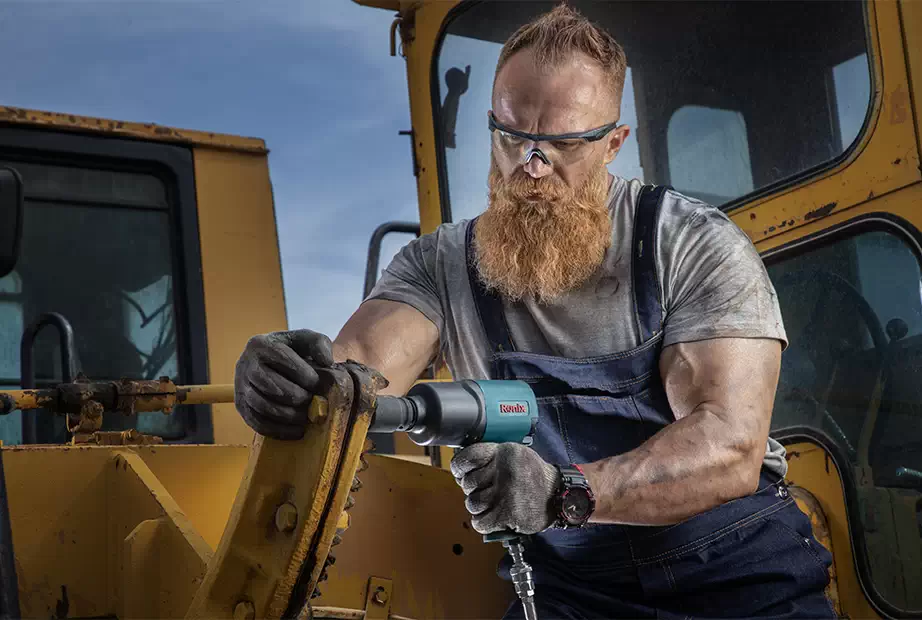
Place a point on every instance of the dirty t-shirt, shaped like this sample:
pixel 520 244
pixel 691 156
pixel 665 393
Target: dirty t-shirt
pixel 713 283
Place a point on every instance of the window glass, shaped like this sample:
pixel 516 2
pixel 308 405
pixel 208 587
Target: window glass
pixel 852 92
pixel 853 313
pixel 709 153
pixel 96 248
pixel 744 95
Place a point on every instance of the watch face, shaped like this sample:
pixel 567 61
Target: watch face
pixel 576 504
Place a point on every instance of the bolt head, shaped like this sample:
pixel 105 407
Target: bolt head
pixel 380 596
pixel 244 611
pixel 286 517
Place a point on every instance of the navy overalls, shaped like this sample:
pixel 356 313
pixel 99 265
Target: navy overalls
pixel 754 556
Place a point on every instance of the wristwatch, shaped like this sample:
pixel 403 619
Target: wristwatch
pixel 575 501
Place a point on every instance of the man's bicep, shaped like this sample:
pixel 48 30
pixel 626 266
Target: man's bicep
pixel 716 285
pixel 734 378
pixel 392 337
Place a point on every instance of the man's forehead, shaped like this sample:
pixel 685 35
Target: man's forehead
pixel 570 96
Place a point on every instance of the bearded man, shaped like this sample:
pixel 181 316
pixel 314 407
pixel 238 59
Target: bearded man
pixel 647 326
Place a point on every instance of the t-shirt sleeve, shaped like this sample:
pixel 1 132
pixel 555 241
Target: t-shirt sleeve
pixel 714 282
pixel 410 278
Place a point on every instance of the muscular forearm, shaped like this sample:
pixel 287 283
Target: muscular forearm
pixel 688 467
pixel 393 338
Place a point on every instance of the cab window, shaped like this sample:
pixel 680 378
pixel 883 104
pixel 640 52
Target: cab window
pixel 852 309
pixel 100 247
pixel 724 98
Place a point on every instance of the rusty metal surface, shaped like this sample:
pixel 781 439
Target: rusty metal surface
pixel 812 468
pixel 811 507
pixel 148 131
pixel 84 402
pixel 130 437
pixel 255 561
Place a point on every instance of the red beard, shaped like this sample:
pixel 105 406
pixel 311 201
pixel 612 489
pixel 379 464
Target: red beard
pixel 540 238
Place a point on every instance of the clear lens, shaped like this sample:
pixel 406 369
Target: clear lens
pixel 559 152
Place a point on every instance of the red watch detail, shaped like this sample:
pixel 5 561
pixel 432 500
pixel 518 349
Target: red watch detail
pixel 575 501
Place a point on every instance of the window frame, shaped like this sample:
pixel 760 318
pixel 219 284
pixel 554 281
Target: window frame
pixel 909 234
pixel 174 166
pixel 777 187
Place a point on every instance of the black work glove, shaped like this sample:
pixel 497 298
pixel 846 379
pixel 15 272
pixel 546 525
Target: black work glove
pixel 275 381
pixel 508 487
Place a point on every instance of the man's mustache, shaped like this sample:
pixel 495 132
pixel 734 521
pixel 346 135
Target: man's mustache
pixel 524 187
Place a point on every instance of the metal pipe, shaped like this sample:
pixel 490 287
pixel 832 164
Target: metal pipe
pixel 205 394
pixel 143 396
pixel 374 249
pixel 27 363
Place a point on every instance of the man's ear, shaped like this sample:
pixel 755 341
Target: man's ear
pixel 614 142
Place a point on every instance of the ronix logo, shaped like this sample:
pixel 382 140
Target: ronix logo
pixel 516 408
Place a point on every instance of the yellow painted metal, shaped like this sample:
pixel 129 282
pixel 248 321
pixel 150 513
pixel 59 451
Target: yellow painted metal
pixel 139 564
pixel 241 267
pixel 58 511
pixel 911 14
pixel 166 561
pixel 812 468
pixel 97 532
pixel 378 598
pixel 145 131
pixel 409 525
pixel 427 20
pixel 254 561
pixel 202 479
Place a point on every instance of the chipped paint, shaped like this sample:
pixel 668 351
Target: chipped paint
pixel 899 105
pixel 823 211
pixel 149 131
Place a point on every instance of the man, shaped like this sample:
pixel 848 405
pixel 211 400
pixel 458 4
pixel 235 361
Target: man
pixel 650 332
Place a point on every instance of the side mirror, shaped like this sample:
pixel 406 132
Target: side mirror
pixel 11 208
pixel 374 249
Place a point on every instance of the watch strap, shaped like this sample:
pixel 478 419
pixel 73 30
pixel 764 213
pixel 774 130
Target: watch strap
pixel 571 476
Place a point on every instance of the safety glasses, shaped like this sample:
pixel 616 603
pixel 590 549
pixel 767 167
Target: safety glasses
pixel 563 149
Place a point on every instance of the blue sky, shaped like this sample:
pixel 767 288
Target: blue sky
pixel 313 78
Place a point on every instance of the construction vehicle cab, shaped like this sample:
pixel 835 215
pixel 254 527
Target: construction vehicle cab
pixel 800 120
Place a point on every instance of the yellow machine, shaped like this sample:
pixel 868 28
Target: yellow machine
pixel 801 120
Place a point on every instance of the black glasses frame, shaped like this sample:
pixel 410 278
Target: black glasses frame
pixel 593 135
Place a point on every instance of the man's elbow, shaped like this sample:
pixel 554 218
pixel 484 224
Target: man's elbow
pixel 749 454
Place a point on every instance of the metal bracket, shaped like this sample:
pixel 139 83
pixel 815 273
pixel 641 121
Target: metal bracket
pixel 378 599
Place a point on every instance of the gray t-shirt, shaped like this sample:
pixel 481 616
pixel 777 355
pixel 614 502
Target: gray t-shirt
pixel 713 285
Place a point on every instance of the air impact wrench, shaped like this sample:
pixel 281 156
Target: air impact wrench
pixel 458 414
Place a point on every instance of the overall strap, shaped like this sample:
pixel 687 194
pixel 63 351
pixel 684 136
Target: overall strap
pixel 648 306
pixel 488 303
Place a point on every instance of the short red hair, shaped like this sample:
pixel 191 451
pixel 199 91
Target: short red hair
pixel 561 32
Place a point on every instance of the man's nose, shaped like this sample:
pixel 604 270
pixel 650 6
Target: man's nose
pixel 536 166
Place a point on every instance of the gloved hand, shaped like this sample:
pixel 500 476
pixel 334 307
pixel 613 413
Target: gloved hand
pixel 508 487
pixel 275 381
